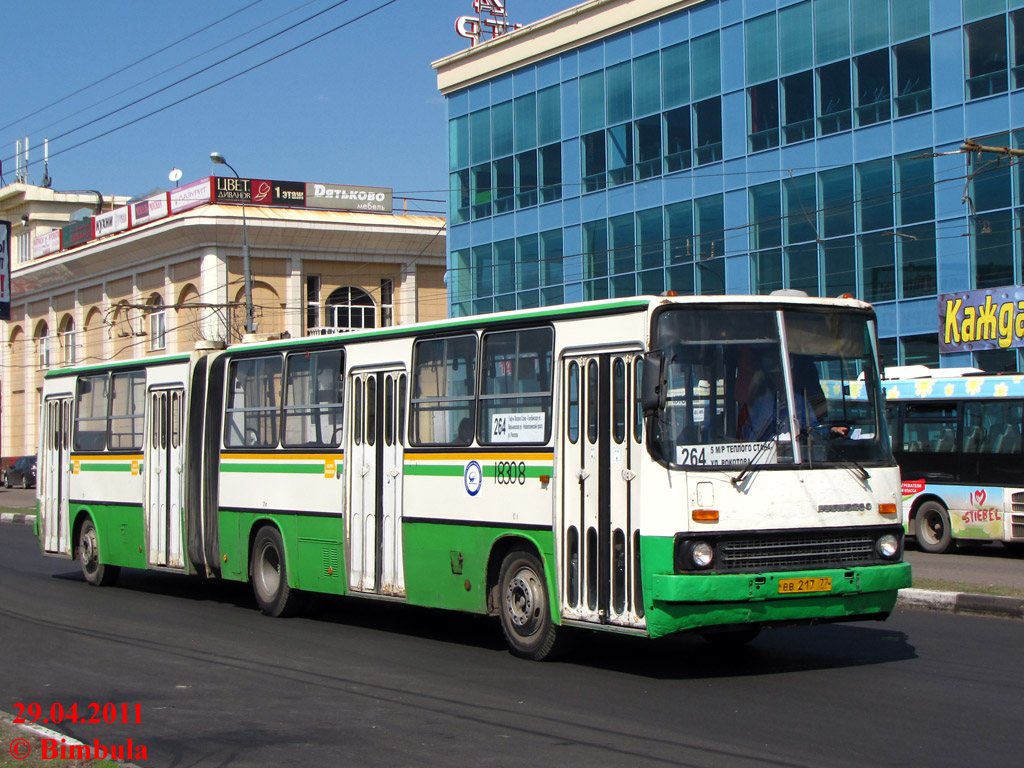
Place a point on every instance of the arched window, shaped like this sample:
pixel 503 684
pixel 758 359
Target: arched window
pixel 157 323
pixel 68 340
pixel 350 308
pixel 42 339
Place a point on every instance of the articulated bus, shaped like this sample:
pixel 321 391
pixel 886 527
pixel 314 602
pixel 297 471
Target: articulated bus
pixel 957 439
pixel 582 466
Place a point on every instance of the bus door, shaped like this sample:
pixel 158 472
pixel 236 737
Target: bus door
pixel 374 468
pixel 55 475
pixel 599 527
pixel 164 468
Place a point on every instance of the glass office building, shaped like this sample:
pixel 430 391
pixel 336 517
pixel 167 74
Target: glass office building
pixel 742 146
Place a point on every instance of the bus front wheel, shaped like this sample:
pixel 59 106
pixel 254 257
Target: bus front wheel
pixel 270 576
pixel 525 609
pixel 95 572
pixel 932 528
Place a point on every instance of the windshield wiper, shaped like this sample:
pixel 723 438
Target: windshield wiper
pixel 753 460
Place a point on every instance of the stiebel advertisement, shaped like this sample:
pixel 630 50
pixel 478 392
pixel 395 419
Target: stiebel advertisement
pixel 989 318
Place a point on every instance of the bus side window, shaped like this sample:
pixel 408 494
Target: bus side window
pixel 515 397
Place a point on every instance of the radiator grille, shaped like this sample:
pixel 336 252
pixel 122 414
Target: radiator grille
pixel 793 550
pixel 1017 526
pixel 1017 500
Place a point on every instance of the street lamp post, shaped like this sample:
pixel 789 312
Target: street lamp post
pixel 250 325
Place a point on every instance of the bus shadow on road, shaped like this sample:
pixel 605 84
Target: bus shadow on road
pixel 775 651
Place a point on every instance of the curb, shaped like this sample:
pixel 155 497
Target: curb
pixel 962 602
pixel 65 740
pixel 13 517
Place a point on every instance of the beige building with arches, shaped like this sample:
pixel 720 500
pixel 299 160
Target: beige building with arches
pixel 162 285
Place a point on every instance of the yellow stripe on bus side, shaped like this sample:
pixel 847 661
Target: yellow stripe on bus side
pixel 548 457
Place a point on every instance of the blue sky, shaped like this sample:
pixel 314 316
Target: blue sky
pixel 358 106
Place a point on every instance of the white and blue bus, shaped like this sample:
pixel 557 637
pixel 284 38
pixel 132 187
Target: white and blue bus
pixel 957 439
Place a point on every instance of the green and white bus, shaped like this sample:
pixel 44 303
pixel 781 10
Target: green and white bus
pixel 582 466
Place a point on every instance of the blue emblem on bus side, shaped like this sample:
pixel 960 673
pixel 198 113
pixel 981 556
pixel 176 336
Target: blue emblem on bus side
pixel 474 478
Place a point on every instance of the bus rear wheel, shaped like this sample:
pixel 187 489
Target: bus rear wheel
pixel 525 609
pixel 95 572
pixel 270 575
pixel 932 528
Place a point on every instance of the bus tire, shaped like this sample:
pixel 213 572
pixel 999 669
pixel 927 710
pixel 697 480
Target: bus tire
pixel 270 575
pixel 525 609
pixel 931 526
pixel 95 572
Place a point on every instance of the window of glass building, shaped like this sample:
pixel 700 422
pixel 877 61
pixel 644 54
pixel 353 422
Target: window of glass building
pixel 921 350
pixel 801 209
pixel 837 210
pixel 504 185
pixel 915 190
pixel 992 243
pixel 592 102
pixel 593 161
pixel 710 239
pixel 766 216
pixel 910 18
pixel 870 24
pixel 708 130
pixel 595 259
pixel 550 172
pixel 878 267
pixel 767 271
pixel 501 129
pixel 796 38
pixel 480 177
pixel 619 82
pixel 761 48
pixel 460 196
pixel 620 154
pixel 458 142
pixel 677 140
pixel 549 115
pixel 647 132
pixel 831 30
pixel 526 179
pixel 679 231
pixel 623 244
pixel 834 98
pixel 802 266
pixel 996 360
pixel 711 277
pixel 483 274
pixel 480 136
pixel 798 107
pixel 916 248
pixel 888 353
pixel 551 258
pixel 527 264
pixel 651 239
pixel 913 76
pixel 989 175
pixel 872 72
pixel 647 84
pixel 840 261
pixel 763 103
pixel 505 265
pixel 986 57
pixel 875 194
pixel 526 122
pixel 705 66
pixel 675 75
pixel 1017 48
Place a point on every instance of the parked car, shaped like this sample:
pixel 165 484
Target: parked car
pixel 21 473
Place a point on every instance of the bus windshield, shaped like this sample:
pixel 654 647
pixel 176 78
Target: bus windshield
pixel 768 387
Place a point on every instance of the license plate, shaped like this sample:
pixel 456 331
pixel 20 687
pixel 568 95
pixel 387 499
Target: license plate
pixel 816 584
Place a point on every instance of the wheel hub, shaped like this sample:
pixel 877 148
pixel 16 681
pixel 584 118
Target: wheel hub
pixel 520 601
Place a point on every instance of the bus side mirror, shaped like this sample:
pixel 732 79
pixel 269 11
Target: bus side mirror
pixel 652 388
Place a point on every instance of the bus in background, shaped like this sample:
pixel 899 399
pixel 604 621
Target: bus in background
pixel 648 465
pixel 957 438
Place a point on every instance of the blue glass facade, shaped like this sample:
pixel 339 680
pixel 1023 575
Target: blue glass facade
pixel 741 146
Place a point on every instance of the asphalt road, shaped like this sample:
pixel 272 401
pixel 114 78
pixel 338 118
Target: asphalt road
pixel 374 684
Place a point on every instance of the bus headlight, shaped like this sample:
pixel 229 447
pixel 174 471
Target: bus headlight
pixel 702 554
pixel 888 546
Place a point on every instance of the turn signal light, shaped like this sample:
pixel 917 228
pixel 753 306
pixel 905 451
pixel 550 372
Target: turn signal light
pixel 705 515
pixel 887 509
